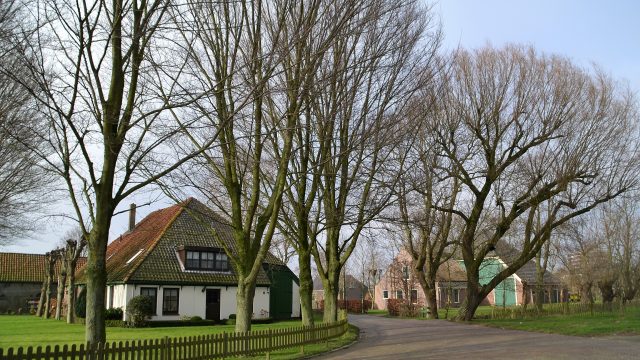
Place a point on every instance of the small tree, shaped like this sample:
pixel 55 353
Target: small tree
pixel 140 308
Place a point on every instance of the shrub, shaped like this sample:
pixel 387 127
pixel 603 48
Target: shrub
pixel 81 304
pixel 113 314
pixel 232 316
pixel 408 310
pixel 393 306
pixel 195 318
pixel 352 306
pixel 140 308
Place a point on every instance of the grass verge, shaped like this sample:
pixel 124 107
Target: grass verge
pixel 615 323
pixel 311 350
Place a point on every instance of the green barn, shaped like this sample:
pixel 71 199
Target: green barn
pixel 284 298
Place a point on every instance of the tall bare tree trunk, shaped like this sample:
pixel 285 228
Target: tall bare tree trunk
pixel 62 280
pixel 71 295
pixel 96 276
pixel 331 285
pixel 43 291
pixel 306 289
pixel 50 259
pixel 244 305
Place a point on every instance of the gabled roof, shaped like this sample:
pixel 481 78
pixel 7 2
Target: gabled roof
pixel 355 288
pixel 451 270
pixel 148 253
pixel 527 272
pixel 27 268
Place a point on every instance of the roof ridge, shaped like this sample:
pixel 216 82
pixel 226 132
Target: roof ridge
pixel 136 265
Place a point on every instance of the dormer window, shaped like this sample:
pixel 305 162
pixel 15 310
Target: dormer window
pixel 207 259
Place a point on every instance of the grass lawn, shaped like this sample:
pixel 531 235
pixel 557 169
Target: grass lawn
pixel 28 330
pixel 309 350
pixel 582 325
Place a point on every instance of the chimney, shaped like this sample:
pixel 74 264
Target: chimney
pixel 132 216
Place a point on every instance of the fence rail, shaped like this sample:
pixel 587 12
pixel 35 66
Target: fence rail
pixel 579 309
pixel 185 348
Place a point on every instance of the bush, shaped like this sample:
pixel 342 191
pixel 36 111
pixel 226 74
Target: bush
pixel 408 310
pixel 113 314
pixel 195 318
pixel 352 306
pixel 393 306
pixel 81 304
pixel 232 316
pixel 140 309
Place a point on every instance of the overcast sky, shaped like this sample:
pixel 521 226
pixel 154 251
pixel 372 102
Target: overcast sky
pixel 606 33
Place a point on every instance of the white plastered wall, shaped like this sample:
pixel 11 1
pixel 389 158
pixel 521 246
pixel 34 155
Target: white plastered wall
pixel 192 300
pixel 295 301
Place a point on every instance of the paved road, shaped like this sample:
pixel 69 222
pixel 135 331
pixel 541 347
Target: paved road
pixel 384 338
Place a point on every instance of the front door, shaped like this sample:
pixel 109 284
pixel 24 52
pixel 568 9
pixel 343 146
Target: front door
pixel 213 304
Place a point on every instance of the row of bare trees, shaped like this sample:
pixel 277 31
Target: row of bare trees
pixel 309 120
pixel 600 253
pixel 510 146
pixel 61 265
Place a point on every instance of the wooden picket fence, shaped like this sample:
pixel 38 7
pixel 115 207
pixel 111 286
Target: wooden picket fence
pixel 217 346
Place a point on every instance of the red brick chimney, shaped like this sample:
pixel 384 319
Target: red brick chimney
pixel 132 216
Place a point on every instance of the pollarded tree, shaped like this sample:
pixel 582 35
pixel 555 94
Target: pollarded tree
pixel 525 132
pixel 105 77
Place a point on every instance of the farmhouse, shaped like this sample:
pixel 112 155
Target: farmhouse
pixel 21 278
pixel 399 282
pixel 176 257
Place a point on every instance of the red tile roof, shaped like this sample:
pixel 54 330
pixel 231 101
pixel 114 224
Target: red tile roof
pixel 142 238
pixel 148 253
pixel 27 268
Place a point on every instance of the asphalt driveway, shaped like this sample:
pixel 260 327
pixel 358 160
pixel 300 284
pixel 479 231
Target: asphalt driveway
pixel 385 338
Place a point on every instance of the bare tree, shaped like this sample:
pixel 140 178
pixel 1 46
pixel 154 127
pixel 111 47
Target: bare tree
pixel 252 55
pixel 51 259
pixel 24 184
pixel 523 132
pixel 316 25
pixel 74 248
pixel 104 82
pixel 372 72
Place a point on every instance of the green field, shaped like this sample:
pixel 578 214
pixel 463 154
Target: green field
pixel 16 331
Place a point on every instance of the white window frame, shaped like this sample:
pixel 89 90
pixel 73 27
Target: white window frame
pixel 401 297
pixel 385 292
pixel 456 296
pixel 411 293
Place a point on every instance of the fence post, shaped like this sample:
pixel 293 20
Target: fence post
pixel 225 339
pixel 166 349
pixel 270 343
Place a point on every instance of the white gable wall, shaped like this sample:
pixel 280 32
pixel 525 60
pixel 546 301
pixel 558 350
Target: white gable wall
pixel 295 303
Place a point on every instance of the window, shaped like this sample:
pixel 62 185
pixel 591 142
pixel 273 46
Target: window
pixel 456 296
pixel 193 260
pixel 110 304
pixel 222 264
pixel 206 260
pixel 405 272
pixel 170 302
pixel 414 296
pixel 399 294
pixel 152 293
pixel 385 294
